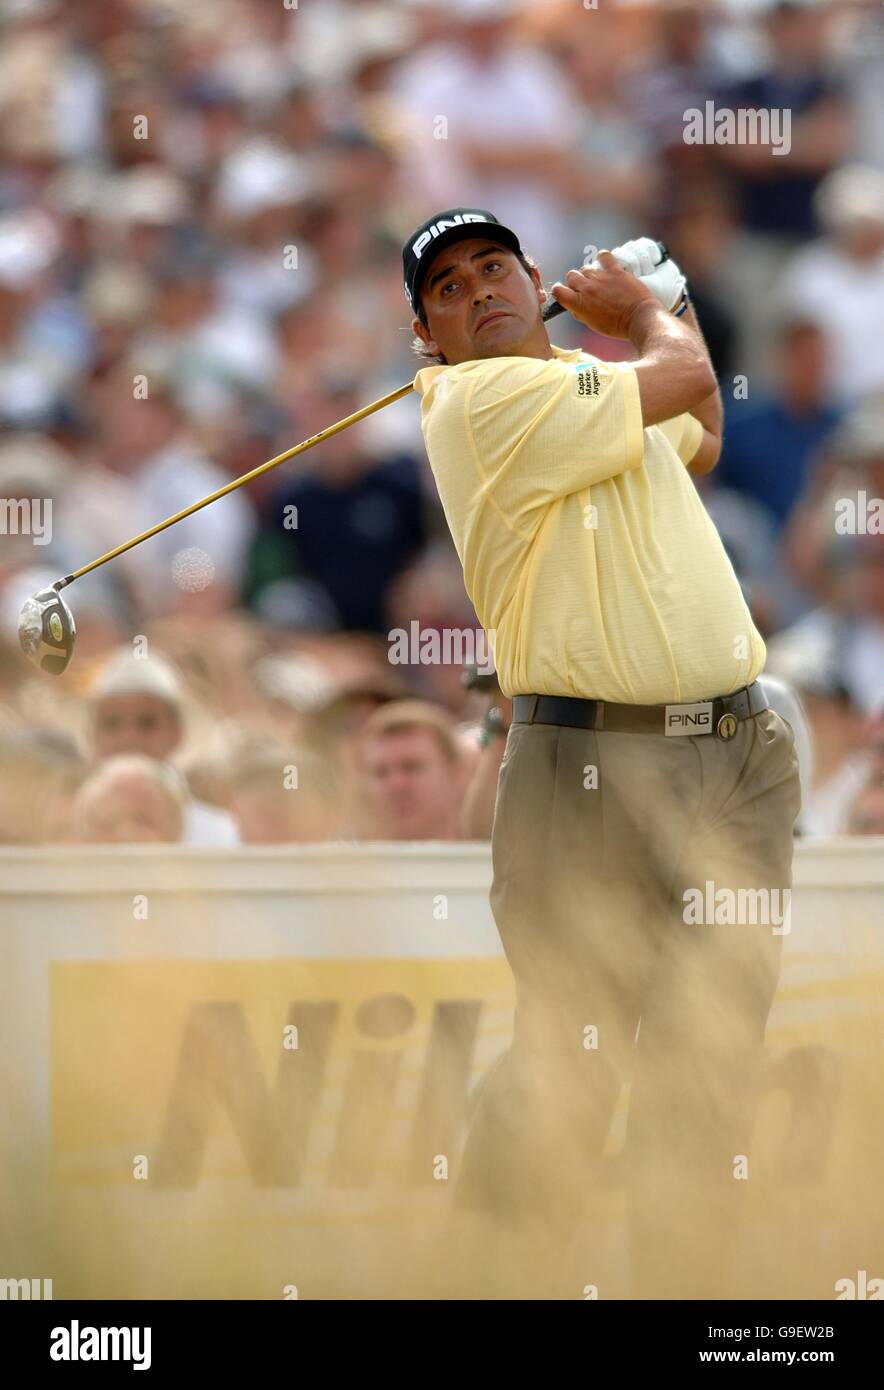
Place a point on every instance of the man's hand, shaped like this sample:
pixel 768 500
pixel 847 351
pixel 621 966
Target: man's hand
pixel 663 278
pixel 603 296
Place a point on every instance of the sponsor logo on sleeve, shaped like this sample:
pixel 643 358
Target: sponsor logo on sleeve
pixel 588 383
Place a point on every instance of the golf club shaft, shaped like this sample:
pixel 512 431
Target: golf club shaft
pixel 238 482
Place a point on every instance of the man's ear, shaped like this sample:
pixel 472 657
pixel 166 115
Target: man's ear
pixel 538 284
pixel 425 337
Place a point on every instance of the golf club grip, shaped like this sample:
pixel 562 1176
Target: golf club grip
pixel 552 308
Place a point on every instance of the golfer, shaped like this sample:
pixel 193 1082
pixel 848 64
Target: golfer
pixel 642 837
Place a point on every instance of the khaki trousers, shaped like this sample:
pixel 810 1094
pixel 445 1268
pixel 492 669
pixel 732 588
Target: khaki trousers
pixel 606 847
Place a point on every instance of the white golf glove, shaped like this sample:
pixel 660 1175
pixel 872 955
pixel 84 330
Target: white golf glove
pixel 663 278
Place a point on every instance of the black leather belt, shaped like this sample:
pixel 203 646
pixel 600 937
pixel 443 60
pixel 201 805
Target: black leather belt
pixel 717 716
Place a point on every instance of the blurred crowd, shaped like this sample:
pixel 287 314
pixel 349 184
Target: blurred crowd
pixel 201 212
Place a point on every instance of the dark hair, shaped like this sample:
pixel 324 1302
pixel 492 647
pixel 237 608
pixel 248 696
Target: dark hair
pixel 419 347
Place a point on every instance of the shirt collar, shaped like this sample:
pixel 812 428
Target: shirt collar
pixel 567 354
pixel 427 375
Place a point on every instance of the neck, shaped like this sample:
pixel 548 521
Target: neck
pixel 537 344
pixel 541 349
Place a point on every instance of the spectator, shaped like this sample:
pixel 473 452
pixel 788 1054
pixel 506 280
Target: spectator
pixel 261 195
pixel 356 519
pixel 338 719
pixel 283 796
pixel 41 770
pixel 431 594
pixel 679 75
pixel 866 815
pixel 839 281
pixel 698 229
pixel 770 442
pixel 810 125
pixel 130 800
pixel 413 782
pixel 805 661
pixel 834 808
pixel 136 707
pixel 487 117
pixel 864 77
pixel 609 176
pixel 799 79
pixel 145 438
pixel 45 338
pixel 834 546
pixel 750 539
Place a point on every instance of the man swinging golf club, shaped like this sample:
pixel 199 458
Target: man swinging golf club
pixel 643 762
pixel 643 767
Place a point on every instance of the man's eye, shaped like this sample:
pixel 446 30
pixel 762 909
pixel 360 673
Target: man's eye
pixel 487 265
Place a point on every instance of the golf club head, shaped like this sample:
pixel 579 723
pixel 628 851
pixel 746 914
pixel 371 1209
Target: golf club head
pixel 47 631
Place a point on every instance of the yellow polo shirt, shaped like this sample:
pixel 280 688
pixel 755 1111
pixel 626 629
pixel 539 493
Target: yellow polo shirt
pixel 588 555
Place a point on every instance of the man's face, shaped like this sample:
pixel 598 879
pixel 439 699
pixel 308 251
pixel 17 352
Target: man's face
pixel 135 724
pixel 125 432
pixel 412 787
pixel 467 282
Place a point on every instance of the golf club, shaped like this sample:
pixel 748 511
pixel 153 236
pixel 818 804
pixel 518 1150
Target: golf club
pixel 46 628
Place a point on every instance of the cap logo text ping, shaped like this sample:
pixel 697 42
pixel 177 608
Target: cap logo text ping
pixel 436 228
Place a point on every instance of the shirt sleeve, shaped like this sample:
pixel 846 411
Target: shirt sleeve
pixel 541 430
pixel 685 434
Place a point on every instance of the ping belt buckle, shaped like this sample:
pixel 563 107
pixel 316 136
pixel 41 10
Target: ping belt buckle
pixel 687 719
pixel 697 719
